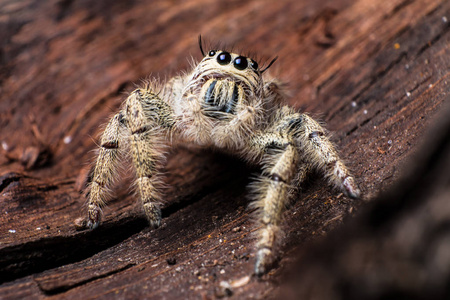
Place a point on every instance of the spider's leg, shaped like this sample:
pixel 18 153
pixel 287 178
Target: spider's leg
pixel 320 152
pixel 105 168
pixel 292 146
pixel 149 118
pixel 272 190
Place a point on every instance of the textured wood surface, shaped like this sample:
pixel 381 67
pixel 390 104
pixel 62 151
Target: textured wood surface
pixel 376 72
pixel 397 248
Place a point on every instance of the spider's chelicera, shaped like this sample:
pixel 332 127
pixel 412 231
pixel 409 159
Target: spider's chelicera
pixel 225 102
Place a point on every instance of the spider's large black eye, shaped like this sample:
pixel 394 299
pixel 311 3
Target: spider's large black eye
pixel 254 65
pixel 224 58
pixel 212 52
pixel 240 63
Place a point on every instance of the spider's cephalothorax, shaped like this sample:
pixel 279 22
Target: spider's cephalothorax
pixel 224 103
pixel 221 99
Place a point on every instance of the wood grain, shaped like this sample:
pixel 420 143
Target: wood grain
pixel 376 72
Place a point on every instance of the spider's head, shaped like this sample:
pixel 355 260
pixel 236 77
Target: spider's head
pixel 224 80
pixel 223 64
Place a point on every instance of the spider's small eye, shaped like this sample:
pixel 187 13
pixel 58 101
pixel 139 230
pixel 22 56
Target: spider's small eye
pixel 254 65
pixel 240 63
pixel 212 52
pixel 224 58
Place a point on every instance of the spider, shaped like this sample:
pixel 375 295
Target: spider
pixel 225 102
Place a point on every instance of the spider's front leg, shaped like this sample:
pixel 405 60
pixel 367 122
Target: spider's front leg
pixel 105 168
pixel 149 120
pixel 293 145
pixel 143 122
pixel 272 190
pixel 317 149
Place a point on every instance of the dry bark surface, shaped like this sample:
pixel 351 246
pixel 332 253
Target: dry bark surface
pixel 376 72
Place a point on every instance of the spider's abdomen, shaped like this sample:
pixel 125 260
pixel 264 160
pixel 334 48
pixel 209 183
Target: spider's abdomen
pixel 220 97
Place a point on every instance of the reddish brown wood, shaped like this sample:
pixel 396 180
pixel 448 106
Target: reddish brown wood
pixel 375 71
pixel 397 248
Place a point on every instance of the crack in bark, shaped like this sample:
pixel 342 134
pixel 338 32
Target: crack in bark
pixel 90 107
pixel 377 77
pixel 399 7
pixel 65 288
pixel 434 40
pixel 37 256
pixel 9 178
pixel 380 75
pixel 326 81
pixel 364 122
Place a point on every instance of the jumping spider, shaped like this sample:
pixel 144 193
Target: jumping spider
pixel 224 102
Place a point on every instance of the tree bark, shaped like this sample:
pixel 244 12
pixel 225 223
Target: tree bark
pixel 376 72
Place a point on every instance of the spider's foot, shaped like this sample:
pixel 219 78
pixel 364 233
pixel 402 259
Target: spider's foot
pixel 351 188
pixel 94 216
pixel 264 261
pixel 153 213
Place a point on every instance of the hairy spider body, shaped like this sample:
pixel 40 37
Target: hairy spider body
pixel 224 103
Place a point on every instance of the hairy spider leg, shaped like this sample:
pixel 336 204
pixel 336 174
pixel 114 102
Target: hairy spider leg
pixel 105 168
pixel 292 146
pixel 148 119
